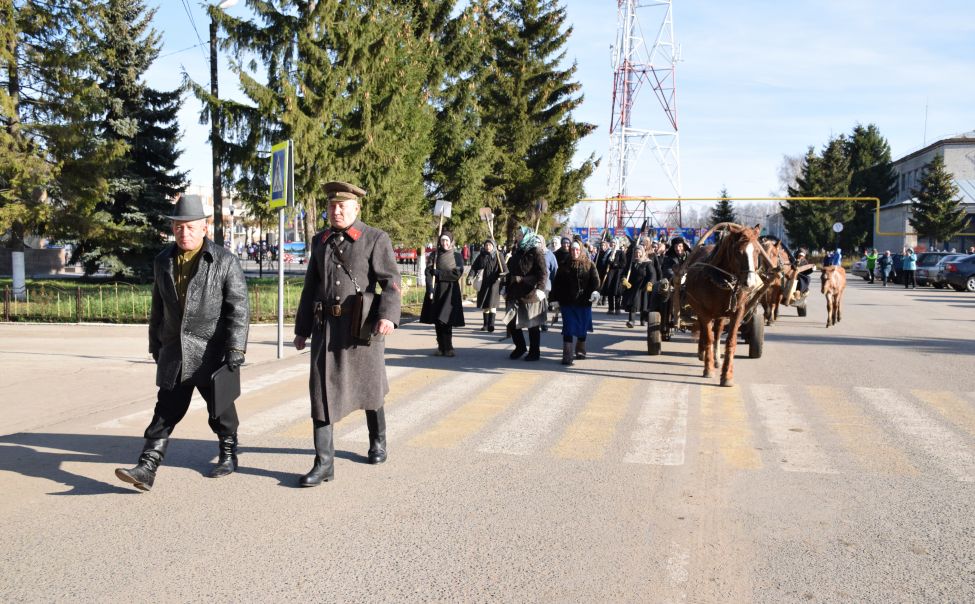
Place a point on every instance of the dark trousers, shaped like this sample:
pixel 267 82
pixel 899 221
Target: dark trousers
pixel 870 274
pixel 909 280
pixel 445 336
pixel 518 337
pixel 171 406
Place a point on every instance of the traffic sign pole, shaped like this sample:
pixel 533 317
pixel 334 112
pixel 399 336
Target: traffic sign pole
pixel 282 195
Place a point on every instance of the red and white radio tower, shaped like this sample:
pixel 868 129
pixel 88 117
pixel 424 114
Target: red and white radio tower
pixel 636 63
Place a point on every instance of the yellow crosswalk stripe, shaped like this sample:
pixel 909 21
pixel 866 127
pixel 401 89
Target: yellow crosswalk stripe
pixel 859 434
pixel 724 427
pixel 594 427
pixel 954 408
pixel 401 387
pixel 471 417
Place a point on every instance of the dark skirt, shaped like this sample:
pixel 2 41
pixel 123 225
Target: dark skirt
pixel 576 320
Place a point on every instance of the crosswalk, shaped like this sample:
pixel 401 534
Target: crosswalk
pixel 589 417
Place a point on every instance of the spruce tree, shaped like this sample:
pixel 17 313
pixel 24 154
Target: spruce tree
pixel 937 212
pixel 143 121
pixel 529 101
pixel 723 211
pixel 872 176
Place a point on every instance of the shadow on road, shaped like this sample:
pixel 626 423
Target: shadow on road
pixel 936 345
pixel 43 455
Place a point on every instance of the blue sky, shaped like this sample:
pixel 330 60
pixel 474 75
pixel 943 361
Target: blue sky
pixel 757 80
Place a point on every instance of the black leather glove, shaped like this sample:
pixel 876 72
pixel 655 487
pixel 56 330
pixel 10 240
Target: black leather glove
pixel 234 359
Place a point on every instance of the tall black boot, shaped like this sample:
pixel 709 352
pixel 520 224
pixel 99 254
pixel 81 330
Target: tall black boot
pixel 490 321
pixel 228 457
pixel 439 330
pixel 534 344
pixel 518 337
pixel 629 320
pixel 324 468
pixel 484 326
pixel 144 473
pixel 448 340
pixel 376 422
pixel 619 304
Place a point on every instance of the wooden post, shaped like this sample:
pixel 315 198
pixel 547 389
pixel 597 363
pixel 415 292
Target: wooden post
pixel 77 304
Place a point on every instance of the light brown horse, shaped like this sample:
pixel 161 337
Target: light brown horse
pixel 834 284
pixel 719 286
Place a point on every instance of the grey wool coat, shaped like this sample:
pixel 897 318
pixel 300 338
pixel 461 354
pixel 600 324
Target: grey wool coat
pixel 190 344
pixel 347 374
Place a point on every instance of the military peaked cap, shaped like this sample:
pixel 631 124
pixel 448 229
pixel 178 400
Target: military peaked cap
pixel 343 191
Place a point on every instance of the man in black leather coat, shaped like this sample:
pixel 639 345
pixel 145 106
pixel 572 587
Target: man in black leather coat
pixel 198 321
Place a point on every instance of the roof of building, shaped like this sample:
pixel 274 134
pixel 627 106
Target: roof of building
pixel 955 139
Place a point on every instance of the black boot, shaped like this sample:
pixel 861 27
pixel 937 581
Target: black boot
pixel 567 353
pixel 376 422
pixel 448 340
pixel 228 457
pixel 534 344
pixel 324 468
pixel 490 321
pixel 629 320
pixel 144 473
pixel 518 337
pixel 484 326
pixel 580 349
pixel 439 330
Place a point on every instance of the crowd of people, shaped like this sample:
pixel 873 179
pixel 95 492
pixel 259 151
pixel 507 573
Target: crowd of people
pixel 533 284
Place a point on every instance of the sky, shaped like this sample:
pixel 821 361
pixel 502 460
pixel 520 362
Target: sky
pixel 756 81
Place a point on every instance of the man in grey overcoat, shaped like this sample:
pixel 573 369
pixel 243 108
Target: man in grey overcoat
pixel 347 320
pixel 198 320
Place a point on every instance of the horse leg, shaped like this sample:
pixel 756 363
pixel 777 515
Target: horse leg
pixel 716 343
pixel 829 309
pixel 728 368
pixel 839 306
pixel 706 338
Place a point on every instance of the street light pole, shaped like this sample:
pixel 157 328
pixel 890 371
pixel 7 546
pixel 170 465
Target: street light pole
pixel 216 143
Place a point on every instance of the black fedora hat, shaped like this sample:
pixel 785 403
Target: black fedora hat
pixel 188 207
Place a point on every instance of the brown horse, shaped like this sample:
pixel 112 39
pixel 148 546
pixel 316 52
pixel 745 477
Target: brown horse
pixel 773 296
pixel 719 286
pixel 834 283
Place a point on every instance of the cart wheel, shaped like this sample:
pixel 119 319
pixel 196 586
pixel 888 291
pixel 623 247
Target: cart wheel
pixel 653 333
pixel 801 310
pixel 756 336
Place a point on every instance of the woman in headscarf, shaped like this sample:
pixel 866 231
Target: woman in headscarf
pixel 488 267
pixel 524 294
pixel 636 298
pixel 442 302
pixel 576 287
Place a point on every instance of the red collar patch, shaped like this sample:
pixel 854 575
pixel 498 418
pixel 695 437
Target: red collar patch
pixel 353 233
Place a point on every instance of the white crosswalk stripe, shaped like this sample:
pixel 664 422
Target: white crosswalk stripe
pixel 525 432
pixel 427 407
pixel 661 428
pixel 788 430
pixel 932 437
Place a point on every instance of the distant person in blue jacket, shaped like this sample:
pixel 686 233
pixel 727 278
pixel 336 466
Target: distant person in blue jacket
pixel 909 264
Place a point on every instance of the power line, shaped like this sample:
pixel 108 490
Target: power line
pixel 176 52
pixel 189 13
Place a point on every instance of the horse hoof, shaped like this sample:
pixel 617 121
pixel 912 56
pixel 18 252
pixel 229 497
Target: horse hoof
pixel 728 383
pixel 707 375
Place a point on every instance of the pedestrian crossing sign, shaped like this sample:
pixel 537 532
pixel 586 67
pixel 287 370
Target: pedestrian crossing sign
pixel 282 176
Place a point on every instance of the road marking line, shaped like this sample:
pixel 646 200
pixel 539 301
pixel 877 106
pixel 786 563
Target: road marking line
pixel 590 433
pixel 724 425
pixel 402 383
pixel 280 415
pixel 426 405
pixel 859 434
pixel 473 416
pixel 661 433
pixel 524 433
pixel 788 430
pixel 677 573
pixel 197 403
pixel 953 407
pixel 930 435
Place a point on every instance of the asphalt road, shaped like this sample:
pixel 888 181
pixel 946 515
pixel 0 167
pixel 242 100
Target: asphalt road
pixel 839 468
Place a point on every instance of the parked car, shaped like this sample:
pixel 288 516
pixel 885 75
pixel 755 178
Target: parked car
pixel 927 266
pixel 859 268
pixel 938 280
pixel 960 274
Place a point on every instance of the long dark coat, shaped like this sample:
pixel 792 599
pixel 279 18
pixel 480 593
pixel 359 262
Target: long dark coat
pixel 527 272
pixel 191 343
pixel 637 298
pixel 489 295
pixel 614 263
pixel 575 283
pixel 446 306
pixel 346 375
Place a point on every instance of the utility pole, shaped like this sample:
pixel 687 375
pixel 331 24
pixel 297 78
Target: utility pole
pixel 216 142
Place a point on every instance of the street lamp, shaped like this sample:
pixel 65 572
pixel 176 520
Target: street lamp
pixel 215 140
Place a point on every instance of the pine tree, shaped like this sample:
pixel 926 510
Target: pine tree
pixel 529 101
pixel 873 176
pixel 723 212
pixel 937 212
pixel 143 122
